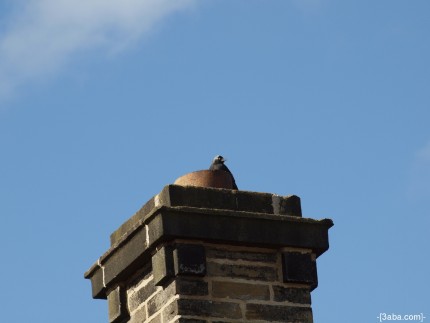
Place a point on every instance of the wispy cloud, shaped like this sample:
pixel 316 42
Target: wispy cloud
pixel 41 36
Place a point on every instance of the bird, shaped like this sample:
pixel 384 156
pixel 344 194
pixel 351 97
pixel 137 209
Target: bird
pixel 218 164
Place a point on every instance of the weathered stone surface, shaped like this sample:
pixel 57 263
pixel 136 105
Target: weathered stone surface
pixel 170 311
pixel 128 225
pixel 187 320
pixel 249 229
pixel 233 228
pixel 217 253
pixel 260 273
pixel 179 259
pixel 299 268
pixel 97 286
pixel 213 198
pixel 191 286
pixel 290 294
pixel 139 296
pixel 161 298
pixel 138 316
pixel 209 308
pixel 290 314
pixel 189 259
pixel 291 205
pixel 242 291
pixel 163 265
pixel 141 274
pixel 246 201
pixel 209 217
pixel 117 263
pixel 117 305
pixel 156 319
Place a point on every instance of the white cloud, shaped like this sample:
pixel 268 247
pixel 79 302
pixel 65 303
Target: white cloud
pixel 41 36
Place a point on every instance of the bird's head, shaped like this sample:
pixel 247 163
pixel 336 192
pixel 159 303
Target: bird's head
pixel 219 160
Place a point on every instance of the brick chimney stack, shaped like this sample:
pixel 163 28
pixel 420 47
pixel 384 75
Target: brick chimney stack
pixel 210 255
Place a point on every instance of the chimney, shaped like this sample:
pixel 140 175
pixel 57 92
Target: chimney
pixel 205 255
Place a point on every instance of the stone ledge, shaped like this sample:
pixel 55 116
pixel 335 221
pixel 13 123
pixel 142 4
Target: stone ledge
pixel 239 228
pixel 213 198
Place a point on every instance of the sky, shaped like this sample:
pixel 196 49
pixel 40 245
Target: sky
pixel 103 103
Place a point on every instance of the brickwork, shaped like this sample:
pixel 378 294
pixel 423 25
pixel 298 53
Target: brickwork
pixel 242 284
pixel 199 255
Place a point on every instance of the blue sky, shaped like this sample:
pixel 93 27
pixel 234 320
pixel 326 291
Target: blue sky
pixel 102 104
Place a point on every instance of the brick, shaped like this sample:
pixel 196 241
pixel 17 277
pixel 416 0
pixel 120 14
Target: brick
pixel 163 266
pixel 240 291
pixel 209 308
pixel 160 299
pixel 260 273
pixel 191 286
pixel 243 234
pixel 156 319
pixel 254 256
pixel 182 259
pixel 142 274
pixel 290 314
pixel 117 305
pixel 291 205
pixel 138 316
pixel 140 295
pixel 299 268
pixel 210 215
pixel 290 294
pixel 170 311
pixel 189 259
pixel 187 320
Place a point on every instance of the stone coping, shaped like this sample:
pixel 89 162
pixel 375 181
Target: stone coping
pixel 237 223
pixel 213 198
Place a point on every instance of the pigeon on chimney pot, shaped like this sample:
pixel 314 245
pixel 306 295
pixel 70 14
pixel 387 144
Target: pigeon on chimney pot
pixel 218 164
